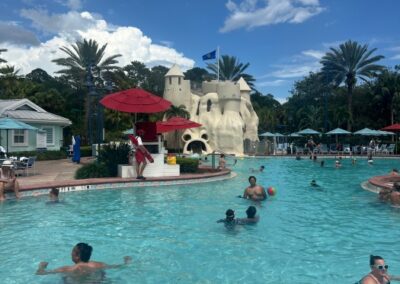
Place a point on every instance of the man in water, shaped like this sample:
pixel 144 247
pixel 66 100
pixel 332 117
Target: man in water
pixel 254 192
pixel 251 216
pixel 314 183
pixel 395 194
pixel 83 266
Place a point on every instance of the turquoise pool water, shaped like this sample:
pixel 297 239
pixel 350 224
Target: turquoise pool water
pixel 304 235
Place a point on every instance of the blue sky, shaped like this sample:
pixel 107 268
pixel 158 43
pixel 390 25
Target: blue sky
pixel 282 40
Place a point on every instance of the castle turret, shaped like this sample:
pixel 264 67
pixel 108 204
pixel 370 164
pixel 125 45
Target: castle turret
pixel 229 96
pixel 244 89
pixel 177 90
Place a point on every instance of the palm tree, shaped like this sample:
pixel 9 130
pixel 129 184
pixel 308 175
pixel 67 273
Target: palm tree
pixel 231 69
pixel 82 56
pixel 347 63
pixel 387 89
pixel 86 63
pixel 177 111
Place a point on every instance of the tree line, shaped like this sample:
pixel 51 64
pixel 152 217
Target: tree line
pixel 351 90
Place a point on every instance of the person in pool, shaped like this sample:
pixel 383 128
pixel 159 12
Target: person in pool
pixel 313 183
pixel 261 169
pixel 230 218
pixel 394 196
pixel 80 255
pixel 53 196
pixel 378 274
pixel 254 192
pixel 251 216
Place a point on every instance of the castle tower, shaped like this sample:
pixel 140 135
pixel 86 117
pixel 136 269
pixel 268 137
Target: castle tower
pixel 177 90
pixel 244 89
pixel 229 96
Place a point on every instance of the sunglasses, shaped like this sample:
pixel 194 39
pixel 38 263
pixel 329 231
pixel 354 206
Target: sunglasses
pixel 382 267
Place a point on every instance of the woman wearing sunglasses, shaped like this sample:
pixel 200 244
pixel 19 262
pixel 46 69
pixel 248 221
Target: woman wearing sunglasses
pixel 378 274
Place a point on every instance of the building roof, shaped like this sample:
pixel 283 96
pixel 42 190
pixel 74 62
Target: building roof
pixel 27 111
pixel 243 85
pixel 174 71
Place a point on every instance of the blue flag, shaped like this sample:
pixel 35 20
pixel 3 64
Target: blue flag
pixel 210 55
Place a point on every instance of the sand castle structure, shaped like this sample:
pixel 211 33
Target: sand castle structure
pixel 223 108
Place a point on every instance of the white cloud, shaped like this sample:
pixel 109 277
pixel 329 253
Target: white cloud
pixel 317 54
pixel 295 71
pixel 130 42
pixel 273 83
pixel 250 15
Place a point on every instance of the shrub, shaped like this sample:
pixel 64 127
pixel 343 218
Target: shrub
pixel 112 154
pixel 92 170
pixel 86 151
pixel 188 165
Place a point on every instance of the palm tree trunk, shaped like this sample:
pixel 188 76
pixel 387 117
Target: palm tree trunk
pixel 350 107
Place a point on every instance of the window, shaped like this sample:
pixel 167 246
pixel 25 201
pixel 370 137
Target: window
pixel 170 80
pixel 209 104
pixel 20 137
pixel 198 109
pixel 49 135
pixel 179 80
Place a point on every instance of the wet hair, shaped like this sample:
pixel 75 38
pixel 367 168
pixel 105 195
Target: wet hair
pixel 55 191
pixel 262 167
pixel 251 212
pixel 250 177
pixel 85 251
pixel 322 163
pixel 395 170
pixel 230 213
pixel 396 186
pixel 222 155
pixel 373 258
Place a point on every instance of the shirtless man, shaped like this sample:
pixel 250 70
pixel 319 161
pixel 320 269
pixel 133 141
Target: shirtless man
pixel 254 192
pixel 252 218
pixel 395 194
pixel 222 162
pixel 81 257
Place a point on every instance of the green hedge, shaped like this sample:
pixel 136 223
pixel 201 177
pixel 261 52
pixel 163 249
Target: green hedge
pixel 188 165
pixel 42 155
pixel 112 155
pixel 86 151
pixel 92 170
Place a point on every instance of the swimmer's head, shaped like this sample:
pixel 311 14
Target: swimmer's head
pixel 313 182
pixel 81 252
pixel 395 170
pixel 251 212
pixel 230 214
pixel 252 180
pixel 54 192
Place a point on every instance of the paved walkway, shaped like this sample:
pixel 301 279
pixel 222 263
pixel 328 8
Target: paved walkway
pixel 61 173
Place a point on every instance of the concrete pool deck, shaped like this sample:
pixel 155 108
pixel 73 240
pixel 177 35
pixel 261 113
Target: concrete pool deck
pixel 60 173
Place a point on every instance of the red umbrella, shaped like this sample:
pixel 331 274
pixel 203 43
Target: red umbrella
pixel 394 127
pixel 175 123
pixel 135 101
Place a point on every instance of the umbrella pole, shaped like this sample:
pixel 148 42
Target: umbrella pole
pixel 7 141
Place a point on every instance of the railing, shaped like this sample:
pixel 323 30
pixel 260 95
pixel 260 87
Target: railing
pixel 218 152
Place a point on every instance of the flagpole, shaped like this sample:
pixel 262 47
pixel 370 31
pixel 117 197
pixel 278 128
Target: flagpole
pixel 218 61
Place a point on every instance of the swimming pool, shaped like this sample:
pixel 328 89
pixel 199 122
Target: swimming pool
pixel 304 235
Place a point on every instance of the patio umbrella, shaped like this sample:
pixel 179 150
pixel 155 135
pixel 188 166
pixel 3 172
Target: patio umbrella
pixel 7 123
pixel 394 127
pixel 135 101
pixel 174 124
pixel 308 131
pixel 267 134
pixel 366 132
pixel 338 131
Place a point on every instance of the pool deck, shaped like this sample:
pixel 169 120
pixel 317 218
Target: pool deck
pixel 60 173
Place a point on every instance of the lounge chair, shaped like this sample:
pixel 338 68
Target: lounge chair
pixel 347 149
pixel 25 165
pixel 389 149
pixel 332 149
pixel 323 149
